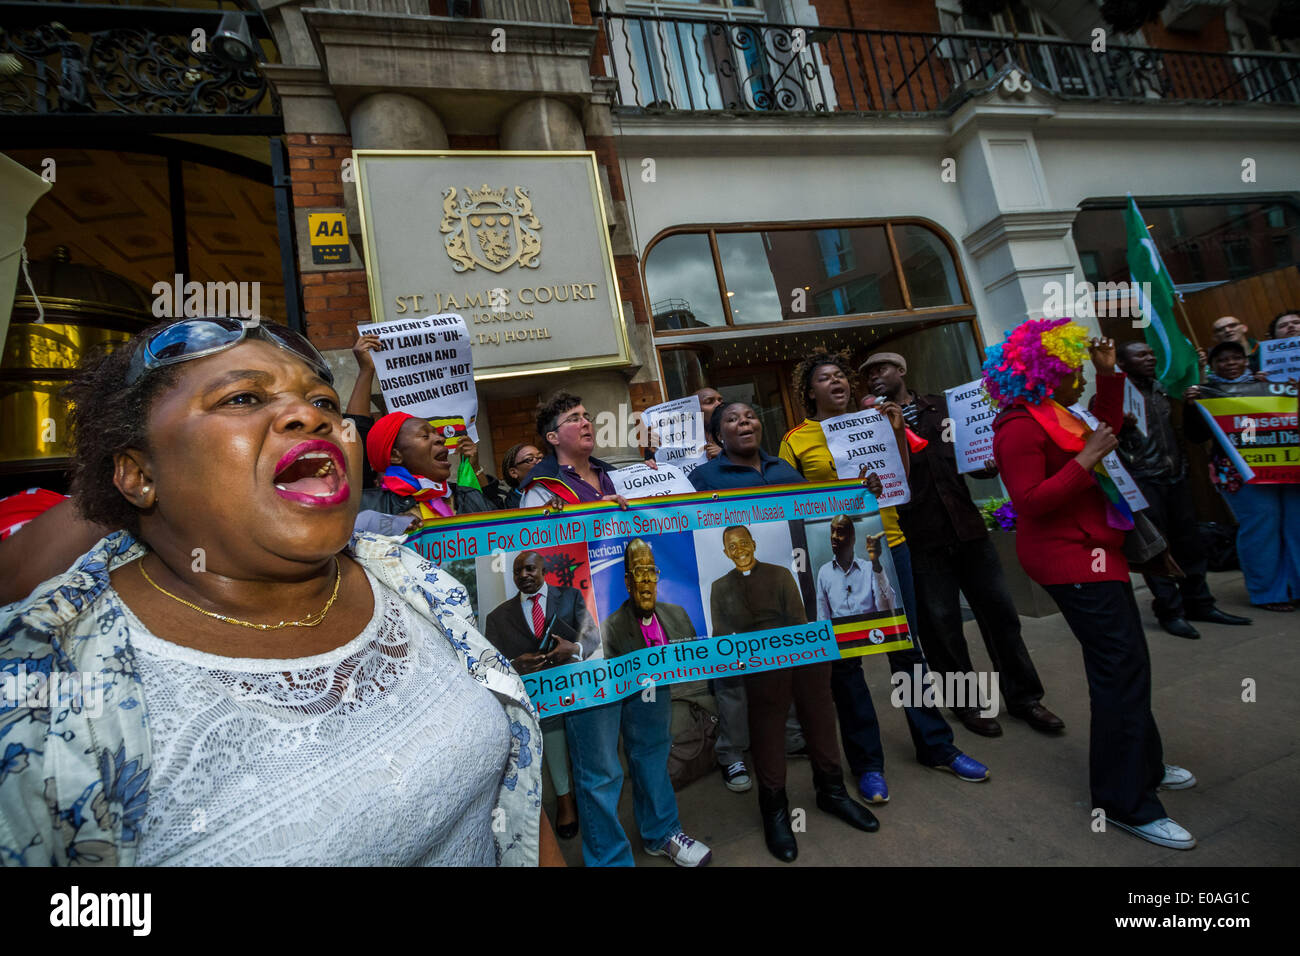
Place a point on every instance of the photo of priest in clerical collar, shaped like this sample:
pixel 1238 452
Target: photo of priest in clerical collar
pixel 754 595
pixel 643 620
pixel 851 583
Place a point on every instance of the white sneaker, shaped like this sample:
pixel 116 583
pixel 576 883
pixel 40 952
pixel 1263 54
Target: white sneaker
pixel 736 777
pixel 1176 778
pixel 684 851
pixel 1161 832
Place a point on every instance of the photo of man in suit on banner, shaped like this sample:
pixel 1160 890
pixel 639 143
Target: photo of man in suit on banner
pixel 546 625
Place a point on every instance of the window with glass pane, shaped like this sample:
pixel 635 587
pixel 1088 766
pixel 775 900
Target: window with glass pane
pixel 683 284
pixel 747 269
pixel 928 268
pixel 686 371
pixel 1208 243
pixel 840 271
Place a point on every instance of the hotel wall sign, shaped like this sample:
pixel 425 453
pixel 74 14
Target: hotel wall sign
pixel 517 243
pixel 329 238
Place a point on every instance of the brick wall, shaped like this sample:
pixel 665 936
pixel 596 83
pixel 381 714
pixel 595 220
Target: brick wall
pixel 627 268
pixel 581 12
pixel 314 161
pixel 334 302
pixel 905 15
pixel 644 394
pixel 513 420
pixel 1194 77
pixel 472 141
pixel 1211 38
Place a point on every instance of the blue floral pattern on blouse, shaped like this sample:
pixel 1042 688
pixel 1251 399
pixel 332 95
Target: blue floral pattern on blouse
pixel 74 779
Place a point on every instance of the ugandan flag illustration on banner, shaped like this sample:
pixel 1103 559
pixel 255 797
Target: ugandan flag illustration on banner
pixel 452 428
pixel 876 633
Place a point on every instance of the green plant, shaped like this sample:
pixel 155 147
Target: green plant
pixel 999 514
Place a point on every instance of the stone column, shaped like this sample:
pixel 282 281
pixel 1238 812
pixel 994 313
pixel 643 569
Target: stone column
pixel 542 123
pixel 1020 241
pixel 396 121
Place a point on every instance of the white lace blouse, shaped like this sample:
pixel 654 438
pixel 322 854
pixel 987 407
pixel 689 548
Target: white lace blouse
pixel 381 752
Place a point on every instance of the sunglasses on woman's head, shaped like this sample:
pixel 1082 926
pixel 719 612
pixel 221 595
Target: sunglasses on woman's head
pixel 196 338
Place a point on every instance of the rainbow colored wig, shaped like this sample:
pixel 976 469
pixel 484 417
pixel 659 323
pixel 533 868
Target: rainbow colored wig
pixel 1035 357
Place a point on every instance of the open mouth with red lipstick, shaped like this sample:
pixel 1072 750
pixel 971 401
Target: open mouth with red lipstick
pixel 313 473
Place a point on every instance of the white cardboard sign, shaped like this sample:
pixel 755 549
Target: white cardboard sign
pixel 425 369
pixel 1114 467
pixel 642 481
pixel 1279 359
pixel 1135 404
pixel 972 425
pixel 866 438
pixel 680 428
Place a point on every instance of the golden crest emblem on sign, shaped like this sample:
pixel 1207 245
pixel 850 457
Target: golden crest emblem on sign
pixel 487 229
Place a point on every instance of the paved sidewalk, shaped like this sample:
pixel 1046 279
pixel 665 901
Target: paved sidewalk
pixel 1034 811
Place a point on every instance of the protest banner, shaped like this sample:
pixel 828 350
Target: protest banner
pixel 424 368
pixel 1135 404
pixel 866 438
pixel 1279 359
pixel 779 534
pixel 680 430
pixel 1260 434
pixel 972 425
pixel 642 481
pixel 1124 482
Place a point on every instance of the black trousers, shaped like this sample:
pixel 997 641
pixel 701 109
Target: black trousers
pixel 972 568
pixel 1125 758
pixel 1170 509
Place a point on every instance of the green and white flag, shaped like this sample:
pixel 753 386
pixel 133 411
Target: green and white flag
pixel 1177 365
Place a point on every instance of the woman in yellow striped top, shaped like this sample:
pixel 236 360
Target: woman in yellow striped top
pixel 824 384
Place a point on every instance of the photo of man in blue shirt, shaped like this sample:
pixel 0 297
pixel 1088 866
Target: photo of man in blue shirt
pixel 848 585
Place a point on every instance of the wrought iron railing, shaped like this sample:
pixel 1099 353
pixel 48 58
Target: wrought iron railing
pixel 710 65
pixel 61 58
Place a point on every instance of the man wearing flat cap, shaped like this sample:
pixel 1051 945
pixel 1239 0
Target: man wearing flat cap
pixel 951 552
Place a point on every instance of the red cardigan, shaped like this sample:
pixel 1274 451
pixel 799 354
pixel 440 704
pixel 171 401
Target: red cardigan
pixel 1060 509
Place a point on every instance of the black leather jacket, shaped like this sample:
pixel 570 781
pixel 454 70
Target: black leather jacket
pixel 1158 455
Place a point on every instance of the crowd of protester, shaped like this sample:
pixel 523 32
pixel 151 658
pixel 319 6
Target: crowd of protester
pixel 259 676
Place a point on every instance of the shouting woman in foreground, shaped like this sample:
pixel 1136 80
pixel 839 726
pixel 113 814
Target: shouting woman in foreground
pixel 249 682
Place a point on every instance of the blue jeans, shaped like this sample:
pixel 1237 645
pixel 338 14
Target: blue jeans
pixel 859 727
pixel 598 775
pixel 1268 540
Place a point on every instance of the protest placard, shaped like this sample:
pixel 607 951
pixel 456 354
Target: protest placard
pixel 972 425
pixel 1279 359
pixel 642 481
pixel 697 591
pixel 1124 482
pixel 1135 404
pixel 1260 433
pixel 866 438
pixel 679 428
pixel 424 368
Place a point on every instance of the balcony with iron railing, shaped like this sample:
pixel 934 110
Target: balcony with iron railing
pixel 690 65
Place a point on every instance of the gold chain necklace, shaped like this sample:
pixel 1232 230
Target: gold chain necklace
pixel 311 620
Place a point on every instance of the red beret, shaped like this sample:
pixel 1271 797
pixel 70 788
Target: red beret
pixel 382 437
